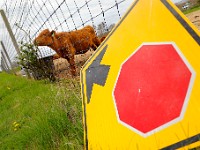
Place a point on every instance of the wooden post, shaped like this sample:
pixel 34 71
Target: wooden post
pixel 6 54
pixel 3 67
pixel 10 31
pixel 5 62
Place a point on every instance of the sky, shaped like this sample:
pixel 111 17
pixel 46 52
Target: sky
pixel 174 1
pixel 1 2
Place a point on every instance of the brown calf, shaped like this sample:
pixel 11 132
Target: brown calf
pixel 68 44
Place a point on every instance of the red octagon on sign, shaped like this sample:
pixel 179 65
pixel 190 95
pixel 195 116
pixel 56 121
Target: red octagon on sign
pixel 152 88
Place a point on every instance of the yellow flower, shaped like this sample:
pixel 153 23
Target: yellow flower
pixel 16 125
pixel 15 129
pixel 8 88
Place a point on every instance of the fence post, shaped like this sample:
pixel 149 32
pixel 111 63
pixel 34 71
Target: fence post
pixel 11 35
pixel 10 31
pixel 4 62
pixel 6 54
pixel 3 67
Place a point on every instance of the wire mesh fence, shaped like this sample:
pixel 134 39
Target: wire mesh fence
pixel 28 18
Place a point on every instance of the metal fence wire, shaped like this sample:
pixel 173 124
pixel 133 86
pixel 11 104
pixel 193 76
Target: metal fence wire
pixel 33 16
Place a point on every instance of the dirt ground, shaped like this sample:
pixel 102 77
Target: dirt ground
pixel 194 17
pixel 62 66
pixel 62 69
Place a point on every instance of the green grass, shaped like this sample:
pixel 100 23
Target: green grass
pixel 191 10
pixel 38 115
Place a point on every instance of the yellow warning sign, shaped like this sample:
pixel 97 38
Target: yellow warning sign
pixel 141 87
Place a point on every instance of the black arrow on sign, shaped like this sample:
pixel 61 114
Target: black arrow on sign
pixel 96 73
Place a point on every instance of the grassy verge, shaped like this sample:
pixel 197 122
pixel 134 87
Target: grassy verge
pixel 39 115
pixel 191 10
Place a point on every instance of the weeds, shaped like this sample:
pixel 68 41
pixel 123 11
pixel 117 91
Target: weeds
pixel 39 115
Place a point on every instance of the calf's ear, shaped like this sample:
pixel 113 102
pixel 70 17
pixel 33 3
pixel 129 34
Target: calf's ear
pixel 53 33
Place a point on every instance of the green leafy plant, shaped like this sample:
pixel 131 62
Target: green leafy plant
pixel 29 60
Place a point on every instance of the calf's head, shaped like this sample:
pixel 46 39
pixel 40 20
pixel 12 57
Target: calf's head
pixel 45 38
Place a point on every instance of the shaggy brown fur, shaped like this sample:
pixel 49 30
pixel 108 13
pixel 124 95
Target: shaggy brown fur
pixel 56 56
pixel 68 44
pixel 102 38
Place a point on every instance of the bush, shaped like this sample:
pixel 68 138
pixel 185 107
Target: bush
pixel 29 60
pixel 40 68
